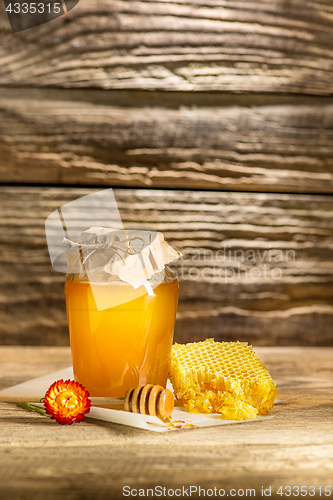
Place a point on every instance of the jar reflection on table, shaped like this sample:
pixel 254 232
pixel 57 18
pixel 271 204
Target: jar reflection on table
pixel 126 344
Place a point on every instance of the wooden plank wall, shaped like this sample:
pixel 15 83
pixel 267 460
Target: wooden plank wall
pixel 213 122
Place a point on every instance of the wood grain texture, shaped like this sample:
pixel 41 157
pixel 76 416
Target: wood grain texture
pixel 255 267
pixel 283 145
pixel 243 46
pixel 292 449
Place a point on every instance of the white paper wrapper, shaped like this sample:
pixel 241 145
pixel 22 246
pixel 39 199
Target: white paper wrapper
pixel 136 256
pixel 180 419
pixel 132 255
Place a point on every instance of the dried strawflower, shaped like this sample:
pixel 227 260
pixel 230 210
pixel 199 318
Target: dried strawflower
pixel 67 401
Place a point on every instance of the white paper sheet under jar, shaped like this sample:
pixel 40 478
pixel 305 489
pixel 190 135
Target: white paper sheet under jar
pixel 180 419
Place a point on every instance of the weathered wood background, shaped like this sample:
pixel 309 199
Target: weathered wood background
pixel 213 121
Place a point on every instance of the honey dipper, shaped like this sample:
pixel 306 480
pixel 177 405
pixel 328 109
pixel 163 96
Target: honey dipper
pixel 146 399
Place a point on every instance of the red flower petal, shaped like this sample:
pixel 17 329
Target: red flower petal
pixel 67 401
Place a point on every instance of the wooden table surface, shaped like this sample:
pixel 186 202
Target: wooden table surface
pixel 95 460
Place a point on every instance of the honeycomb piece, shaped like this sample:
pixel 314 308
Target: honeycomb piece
pixel 221 377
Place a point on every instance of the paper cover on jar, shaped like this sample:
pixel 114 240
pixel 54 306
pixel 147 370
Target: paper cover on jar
pixel 86 238
pixel 134 255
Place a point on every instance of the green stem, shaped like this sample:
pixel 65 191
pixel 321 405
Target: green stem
pixel 28 406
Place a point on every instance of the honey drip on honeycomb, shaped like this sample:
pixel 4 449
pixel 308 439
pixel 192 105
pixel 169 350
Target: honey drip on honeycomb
pixel 221 377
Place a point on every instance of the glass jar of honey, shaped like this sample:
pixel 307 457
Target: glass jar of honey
pixel 125 342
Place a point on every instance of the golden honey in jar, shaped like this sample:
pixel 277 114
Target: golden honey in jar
pixel 126 342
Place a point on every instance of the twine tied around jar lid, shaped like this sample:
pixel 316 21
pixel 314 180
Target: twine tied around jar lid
pixel 107 252
pixel 133 255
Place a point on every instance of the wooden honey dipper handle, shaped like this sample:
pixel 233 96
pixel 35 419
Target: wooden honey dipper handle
pixel 146 399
